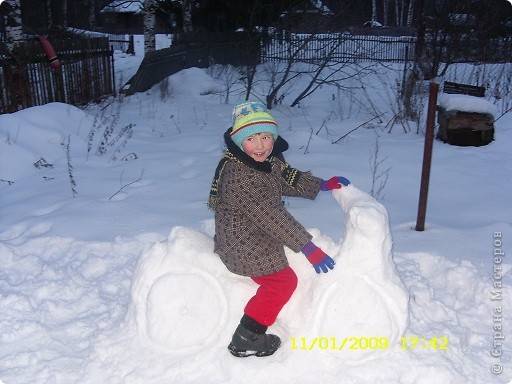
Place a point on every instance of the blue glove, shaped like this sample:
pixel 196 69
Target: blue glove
pixel 320 260
pixel 334 182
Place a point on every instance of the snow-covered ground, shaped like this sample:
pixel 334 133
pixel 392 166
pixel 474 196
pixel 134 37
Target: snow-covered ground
pixel 107 270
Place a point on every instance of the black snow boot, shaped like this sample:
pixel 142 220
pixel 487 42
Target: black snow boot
pixel 255 342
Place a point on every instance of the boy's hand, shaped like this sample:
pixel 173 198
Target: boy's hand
pixel 335 182
pixel 320 260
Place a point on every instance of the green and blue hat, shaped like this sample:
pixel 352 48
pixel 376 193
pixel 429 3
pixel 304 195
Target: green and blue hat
pixel 249 118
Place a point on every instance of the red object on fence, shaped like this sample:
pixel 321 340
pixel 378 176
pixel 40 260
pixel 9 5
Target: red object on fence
pixel 50 52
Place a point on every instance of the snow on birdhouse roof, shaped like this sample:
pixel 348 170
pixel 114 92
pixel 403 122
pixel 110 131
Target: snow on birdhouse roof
pixel 123 6
pixel 465 103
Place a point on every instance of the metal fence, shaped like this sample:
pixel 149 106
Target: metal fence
pixel 26 78
pixel 350 48
pixel 339 48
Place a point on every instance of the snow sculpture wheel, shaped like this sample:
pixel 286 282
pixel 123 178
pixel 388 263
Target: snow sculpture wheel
pixel 177 307
pixel 366 302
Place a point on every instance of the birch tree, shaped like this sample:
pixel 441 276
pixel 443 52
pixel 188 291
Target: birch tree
pixel 149 13
pixel 16 79
pixel 14 27
pixel 374 12
pixel 410 12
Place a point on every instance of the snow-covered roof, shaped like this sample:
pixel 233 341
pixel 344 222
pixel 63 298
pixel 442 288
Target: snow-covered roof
pixel 124 6
pixel 465 103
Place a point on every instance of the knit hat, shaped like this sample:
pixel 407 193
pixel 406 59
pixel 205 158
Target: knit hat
pixel 249 118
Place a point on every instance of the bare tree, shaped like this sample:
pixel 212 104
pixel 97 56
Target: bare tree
pixel 318 69
pixel 228 75
pixel 282 76
pixel 379 176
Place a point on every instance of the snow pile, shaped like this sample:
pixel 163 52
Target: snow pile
pixel 466 103
pixel 94 290
pixel 36 138
pixel 183 298
pixel 192 82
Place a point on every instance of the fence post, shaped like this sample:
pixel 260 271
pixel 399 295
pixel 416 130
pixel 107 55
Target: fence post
pixel 427 155
pixel 131 46
pixel 406 63
pixel 113 82
pixel 60 94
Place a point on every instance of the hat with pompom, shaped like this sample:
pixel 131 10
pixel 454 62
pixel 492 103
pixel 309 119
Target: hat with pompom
pixel 249 118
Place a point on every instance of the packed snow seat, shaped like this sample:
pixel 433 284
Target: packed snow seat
pixel 465 118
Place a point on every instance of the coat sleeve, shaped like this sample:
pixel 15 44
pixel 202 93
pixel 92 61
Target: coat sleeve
pixel 296 183
pixel 258 200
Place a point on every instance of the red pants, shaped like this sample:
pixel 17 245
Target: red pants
pixel 273 293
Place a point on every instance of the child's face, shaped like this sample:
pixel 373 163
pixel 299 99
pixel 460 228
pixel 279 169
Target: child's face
pixel 259 146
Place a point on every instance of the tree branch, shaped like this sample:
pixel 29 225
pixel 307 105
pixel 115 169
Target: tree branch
pixel 126 185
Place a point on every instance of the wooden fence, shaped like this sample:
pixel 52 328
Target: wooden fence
pixel 26 78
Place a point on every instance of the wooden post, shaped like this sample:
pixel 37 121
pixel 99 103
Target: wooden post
pixel 112 84
pixel 427 156
pixel 131 46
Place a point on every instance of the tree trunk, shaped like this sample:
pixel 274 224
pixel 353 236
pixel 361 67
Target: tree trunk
pixel 64 13
pixel 187 16
pixel 385 6
pixel 250 71
pixel 410 13
pixel 374 12
pixel 14 27
pixel 92 13
pixel 49 14
pixel 149 26
pixel 17 85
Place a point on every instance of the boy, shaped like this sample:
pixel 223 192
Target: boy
pixel 252 227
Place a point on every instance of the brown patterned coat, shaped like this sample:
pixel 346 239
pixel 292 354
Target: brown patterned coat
pixel 251 225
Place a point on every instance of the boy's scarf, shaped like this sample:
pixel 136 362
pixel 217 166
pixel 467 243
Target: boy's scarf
pixel 290 175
